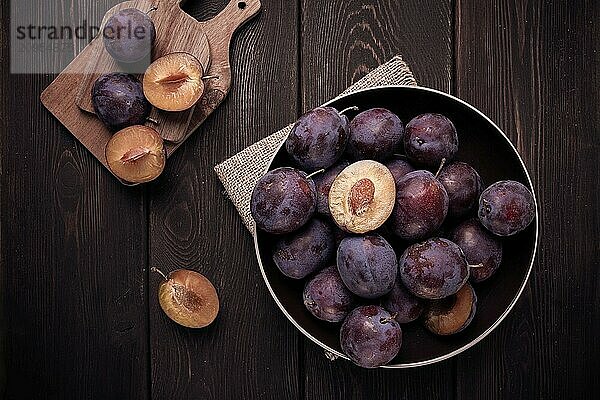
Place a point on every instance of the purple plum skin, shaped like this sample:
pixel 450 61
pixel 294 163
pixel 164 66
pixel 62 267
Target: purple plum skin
pixel 323 183
pixel 421 206
pixel 326 296
pixel 370 337
pixel 429 138
pixel 367 265
pixel 301 253
pixel 403 304
pixel 375 134
pixel 283 200
pixel 399 167
pixel 129 36
pixel 480 247
pixel 506 208
pixel 463 185
pixel 318 139
pixel 119 101
pixel 433 269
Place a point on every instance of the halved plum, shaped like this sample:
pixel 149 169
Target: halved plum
pixel 136 154
pixel 174 82
pixel 362 196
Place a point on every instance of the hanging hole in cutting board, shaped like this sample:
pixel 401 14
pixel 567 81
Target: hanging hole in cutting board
pixel 242 5
pixel 204 10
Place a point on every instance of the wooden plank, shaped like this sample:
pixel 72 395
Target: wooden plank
pixel 533 68
pixel 73 256
pixel 342 41
pixel 250 351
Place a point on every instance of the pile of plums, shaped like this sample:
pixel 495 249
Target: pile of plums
pixel 173 82
pixel 349 190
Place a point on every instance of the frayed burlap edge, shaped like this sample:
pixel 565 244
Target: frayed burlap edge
pixel 240 173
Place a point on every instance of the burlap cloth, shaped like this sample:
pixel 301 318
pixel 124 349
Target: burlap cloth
pixel 240 173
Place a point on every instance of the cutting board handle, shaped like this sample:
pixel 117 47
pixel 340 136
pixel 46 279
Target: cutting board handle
pixel 234 15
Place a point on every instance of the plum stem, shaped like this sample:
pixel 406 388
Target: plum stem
pixel 152 120
pixel 480 265
pixel 207 77
pixel 388 319
pixel 440 168
pixel 354 108
pixel 154 269
pixel 315 173
pixel 152 9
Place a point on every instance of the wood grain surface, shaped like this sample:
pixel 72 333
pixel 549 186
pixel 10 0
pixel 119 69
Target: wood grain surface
pixel 68 96
pixel 79 314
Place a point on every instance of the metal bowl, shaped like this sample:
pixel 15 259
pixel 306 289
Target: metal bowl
pixel 483 145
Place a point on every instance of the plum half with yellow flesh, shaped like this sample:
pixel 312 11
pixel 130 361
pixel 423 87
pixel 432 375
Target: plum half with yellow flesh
pixel 136 154
pixel 188 298
pixel 174 82
pixel 362 196
pixel 453 314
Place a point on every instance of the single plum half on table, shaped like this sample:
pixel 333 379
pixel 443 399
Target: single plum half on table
pixel 506 208
pixel 430 138
pixel 136 154
pixel 129 36
pixel 452 314
pixel 119 101
pixel 188 298
pixel 174 82
pixel 375 134
pixel 368 265
pixel 421 206
pixel 305 251
pixel 361 197
pixel 318 139
pixel 283 200
pixel 463 185
pixel 326 296
pixel 433 269
pixel 482 249
pixel 370 336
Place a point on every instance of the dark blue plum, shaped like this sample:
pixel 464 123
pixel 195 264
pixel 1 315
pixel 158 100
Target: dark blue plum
pixel 506 208
pixel 367 265
pixel 318 139
pixel 429 138
pixel 370 336
pixel 433 269
pixel 326 296
pixel 375 134
pixel 323 183
pixel 401 303
pixel 463 185
pixel 482 249
pixel 399 167
pixel 283 200
pixel 129 36
pixel 310 249
pixel 421 206
pixel 119 101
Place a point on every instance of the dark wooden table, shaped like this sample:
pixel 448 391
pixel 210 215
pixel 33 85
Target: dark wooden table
pixel 80 315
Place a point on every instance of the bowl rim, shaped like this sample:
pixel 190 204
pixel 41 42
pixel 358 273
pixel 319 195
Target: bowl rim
pixel 473 342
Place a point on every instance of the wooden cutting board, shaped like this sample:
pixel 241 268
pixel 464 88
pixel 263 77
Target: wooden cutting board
pixel 209 41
